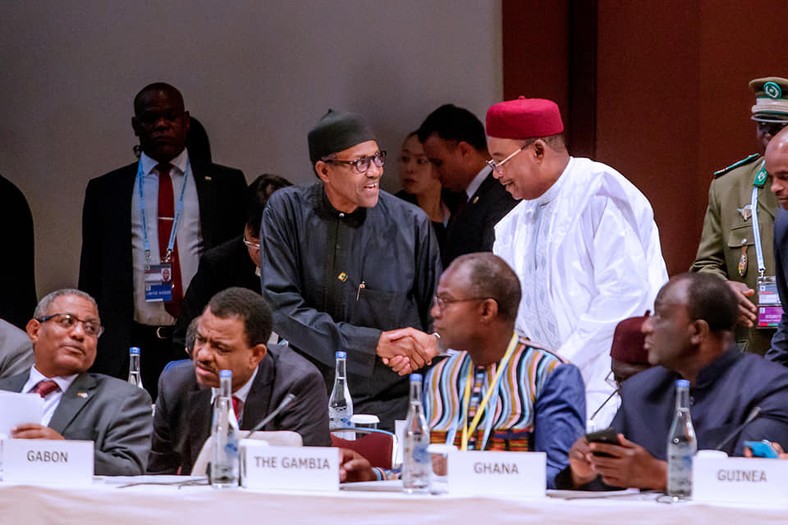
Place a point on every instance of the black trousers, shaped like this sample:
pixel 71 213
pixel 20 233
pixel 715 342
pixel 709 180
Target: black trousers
pixel 156 350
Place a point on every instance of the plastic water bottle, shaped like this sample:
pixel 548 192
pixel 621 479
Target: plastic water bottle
pixel 134 367
pixel 340 404
pixel 224 459
pixel 682 445
pixel 416 462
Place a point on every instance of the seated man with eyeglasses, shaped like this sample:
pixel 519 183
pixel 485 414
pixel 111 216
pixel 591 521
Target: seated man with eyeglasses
pixel 500 391
pixel 345 265
pixel 235 263
pixel 113 414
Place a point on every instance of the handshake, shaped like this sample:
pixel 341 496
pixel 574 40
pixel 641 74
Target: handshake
pixel 406 350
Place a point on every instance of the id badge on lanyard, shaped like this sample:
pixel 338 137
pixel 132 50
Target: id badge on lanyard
pixel 770 310
pixel 158 277
pixel 158 283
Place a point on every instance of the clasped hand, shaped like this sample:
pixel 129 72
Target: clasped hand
pixel 406 349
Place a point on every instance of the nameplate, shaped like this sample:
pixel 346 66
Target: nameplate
pixel 289 468
pixel 739 480
pixel 48 461
pixel 520 474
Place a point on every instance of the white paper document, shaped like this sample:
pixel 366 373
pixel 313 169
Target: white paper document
pixel 16 409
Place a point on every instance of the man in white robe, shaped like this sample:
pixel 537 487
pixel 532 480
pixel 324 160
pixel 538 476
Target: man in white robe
pixel 582 240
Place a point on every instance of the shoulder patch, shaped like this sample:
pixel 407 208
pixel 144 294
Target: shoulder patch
pixel 735 165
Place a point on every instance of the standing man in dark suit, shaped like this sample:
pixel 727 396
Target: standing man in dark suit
pixel 113 414
pixel 147 220
pixel 231 335
pixel 18 294
pixel 233 263
pixel 455 143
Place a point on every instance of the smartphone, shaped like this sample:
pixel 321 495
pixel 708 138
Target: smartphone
pixel 608 435
pixel 761 449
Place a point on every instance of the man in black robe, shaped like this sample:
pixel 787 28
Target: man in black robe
pixel 350 267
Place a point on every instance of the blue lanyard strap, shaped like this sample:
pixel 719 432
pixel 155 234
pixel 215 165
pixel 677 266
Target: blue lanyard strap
pixel 176 219
pixel 756 230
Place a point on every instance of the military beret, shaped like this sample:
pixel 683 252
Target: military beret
pixel 337 131
pixel 771 100
pixel 524 118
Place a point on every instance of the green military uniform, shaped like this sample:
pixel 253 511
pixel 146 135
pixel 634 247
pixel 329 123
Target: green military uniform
pixel 727 238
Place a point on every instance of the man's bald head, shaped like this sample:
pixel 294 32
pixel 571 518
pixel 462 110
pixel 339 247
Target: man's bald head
pixel 777 166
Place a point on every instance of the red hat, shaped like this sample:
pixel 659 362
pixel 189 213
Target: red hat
pixel 629 341
pixel 524 118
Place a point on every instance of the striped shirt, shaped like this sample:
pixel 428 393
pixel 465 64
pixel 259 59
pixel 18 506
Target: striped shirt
pixel 513 404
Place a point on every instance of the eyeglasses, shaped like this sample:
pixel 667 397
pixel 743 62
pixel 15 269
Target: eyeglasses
pixel 442 303
pixel 253 245
pixel 69 321
pixel 362 164
pixel 497 167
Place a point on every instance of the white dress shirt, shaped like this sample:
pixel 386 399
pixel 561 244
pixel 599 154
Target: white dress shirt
pixel 476 182
pixel 242 393
pixel 52 400
pixel 189 234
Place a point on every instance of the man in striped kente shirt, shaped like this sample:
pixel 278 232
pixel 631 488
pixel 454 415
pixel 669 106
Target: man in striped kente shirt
pixel 499 391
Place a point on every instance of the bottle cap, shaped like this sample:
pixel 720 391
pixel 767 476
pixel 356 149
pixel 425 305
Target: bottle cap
pixel 365 420
pixel 415 377
pixel 225 373
pixel 341 355
pixel 134 350
pixel 682 383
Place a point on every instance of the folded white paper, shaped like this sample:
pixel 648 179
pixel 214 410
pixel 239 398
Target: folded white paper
pixel 16 409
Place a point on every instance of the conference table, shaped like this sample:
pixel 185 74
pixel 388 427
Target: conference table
pixel 121 501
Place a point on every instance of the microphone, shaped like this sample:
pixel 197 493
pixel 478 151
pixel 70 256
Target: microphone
pixel 755 412
pixel 289 398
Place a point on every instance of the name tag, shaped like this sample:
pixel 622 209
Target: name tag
pixel 739 480
pixel 289 468
pixel 48 461
pixel 520 474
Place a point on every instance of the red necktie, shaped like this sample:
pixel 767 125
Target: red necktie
pixel 45 387
pixel 166 220
pixel 237 406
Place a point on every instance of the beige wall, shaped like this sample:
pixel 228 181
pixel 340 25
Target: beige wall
pixel 258 74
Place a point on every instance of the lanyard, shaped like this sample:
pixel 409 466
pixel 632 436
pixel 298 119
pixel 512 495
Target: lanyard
pixel 756 231
pixel 469 430
pixel 176 219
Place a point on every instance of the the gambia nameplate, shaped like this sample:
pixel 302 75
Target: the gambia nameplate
pixel 739 480
pixel 289 468
pixel 520 474
pixel 48 461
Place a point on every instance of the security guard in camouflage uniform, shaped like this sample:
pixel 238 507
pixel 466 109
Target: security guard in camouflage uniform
pixel 728 245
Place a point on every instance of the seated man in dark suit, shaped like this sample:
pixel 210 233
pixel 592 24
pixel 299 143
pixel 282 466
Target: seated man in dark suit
pixel 113 414
pixel 233 263
pixel 455 143
pixel 691 336
pixel 231 334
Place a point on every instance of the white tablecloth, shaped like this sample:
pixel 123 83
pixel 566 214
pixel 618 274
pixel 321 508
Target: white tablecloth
pixel 109 504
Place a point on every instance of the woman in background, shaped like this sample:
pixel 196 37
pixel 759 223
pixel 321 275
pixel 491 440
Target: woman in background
pixel 421 186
